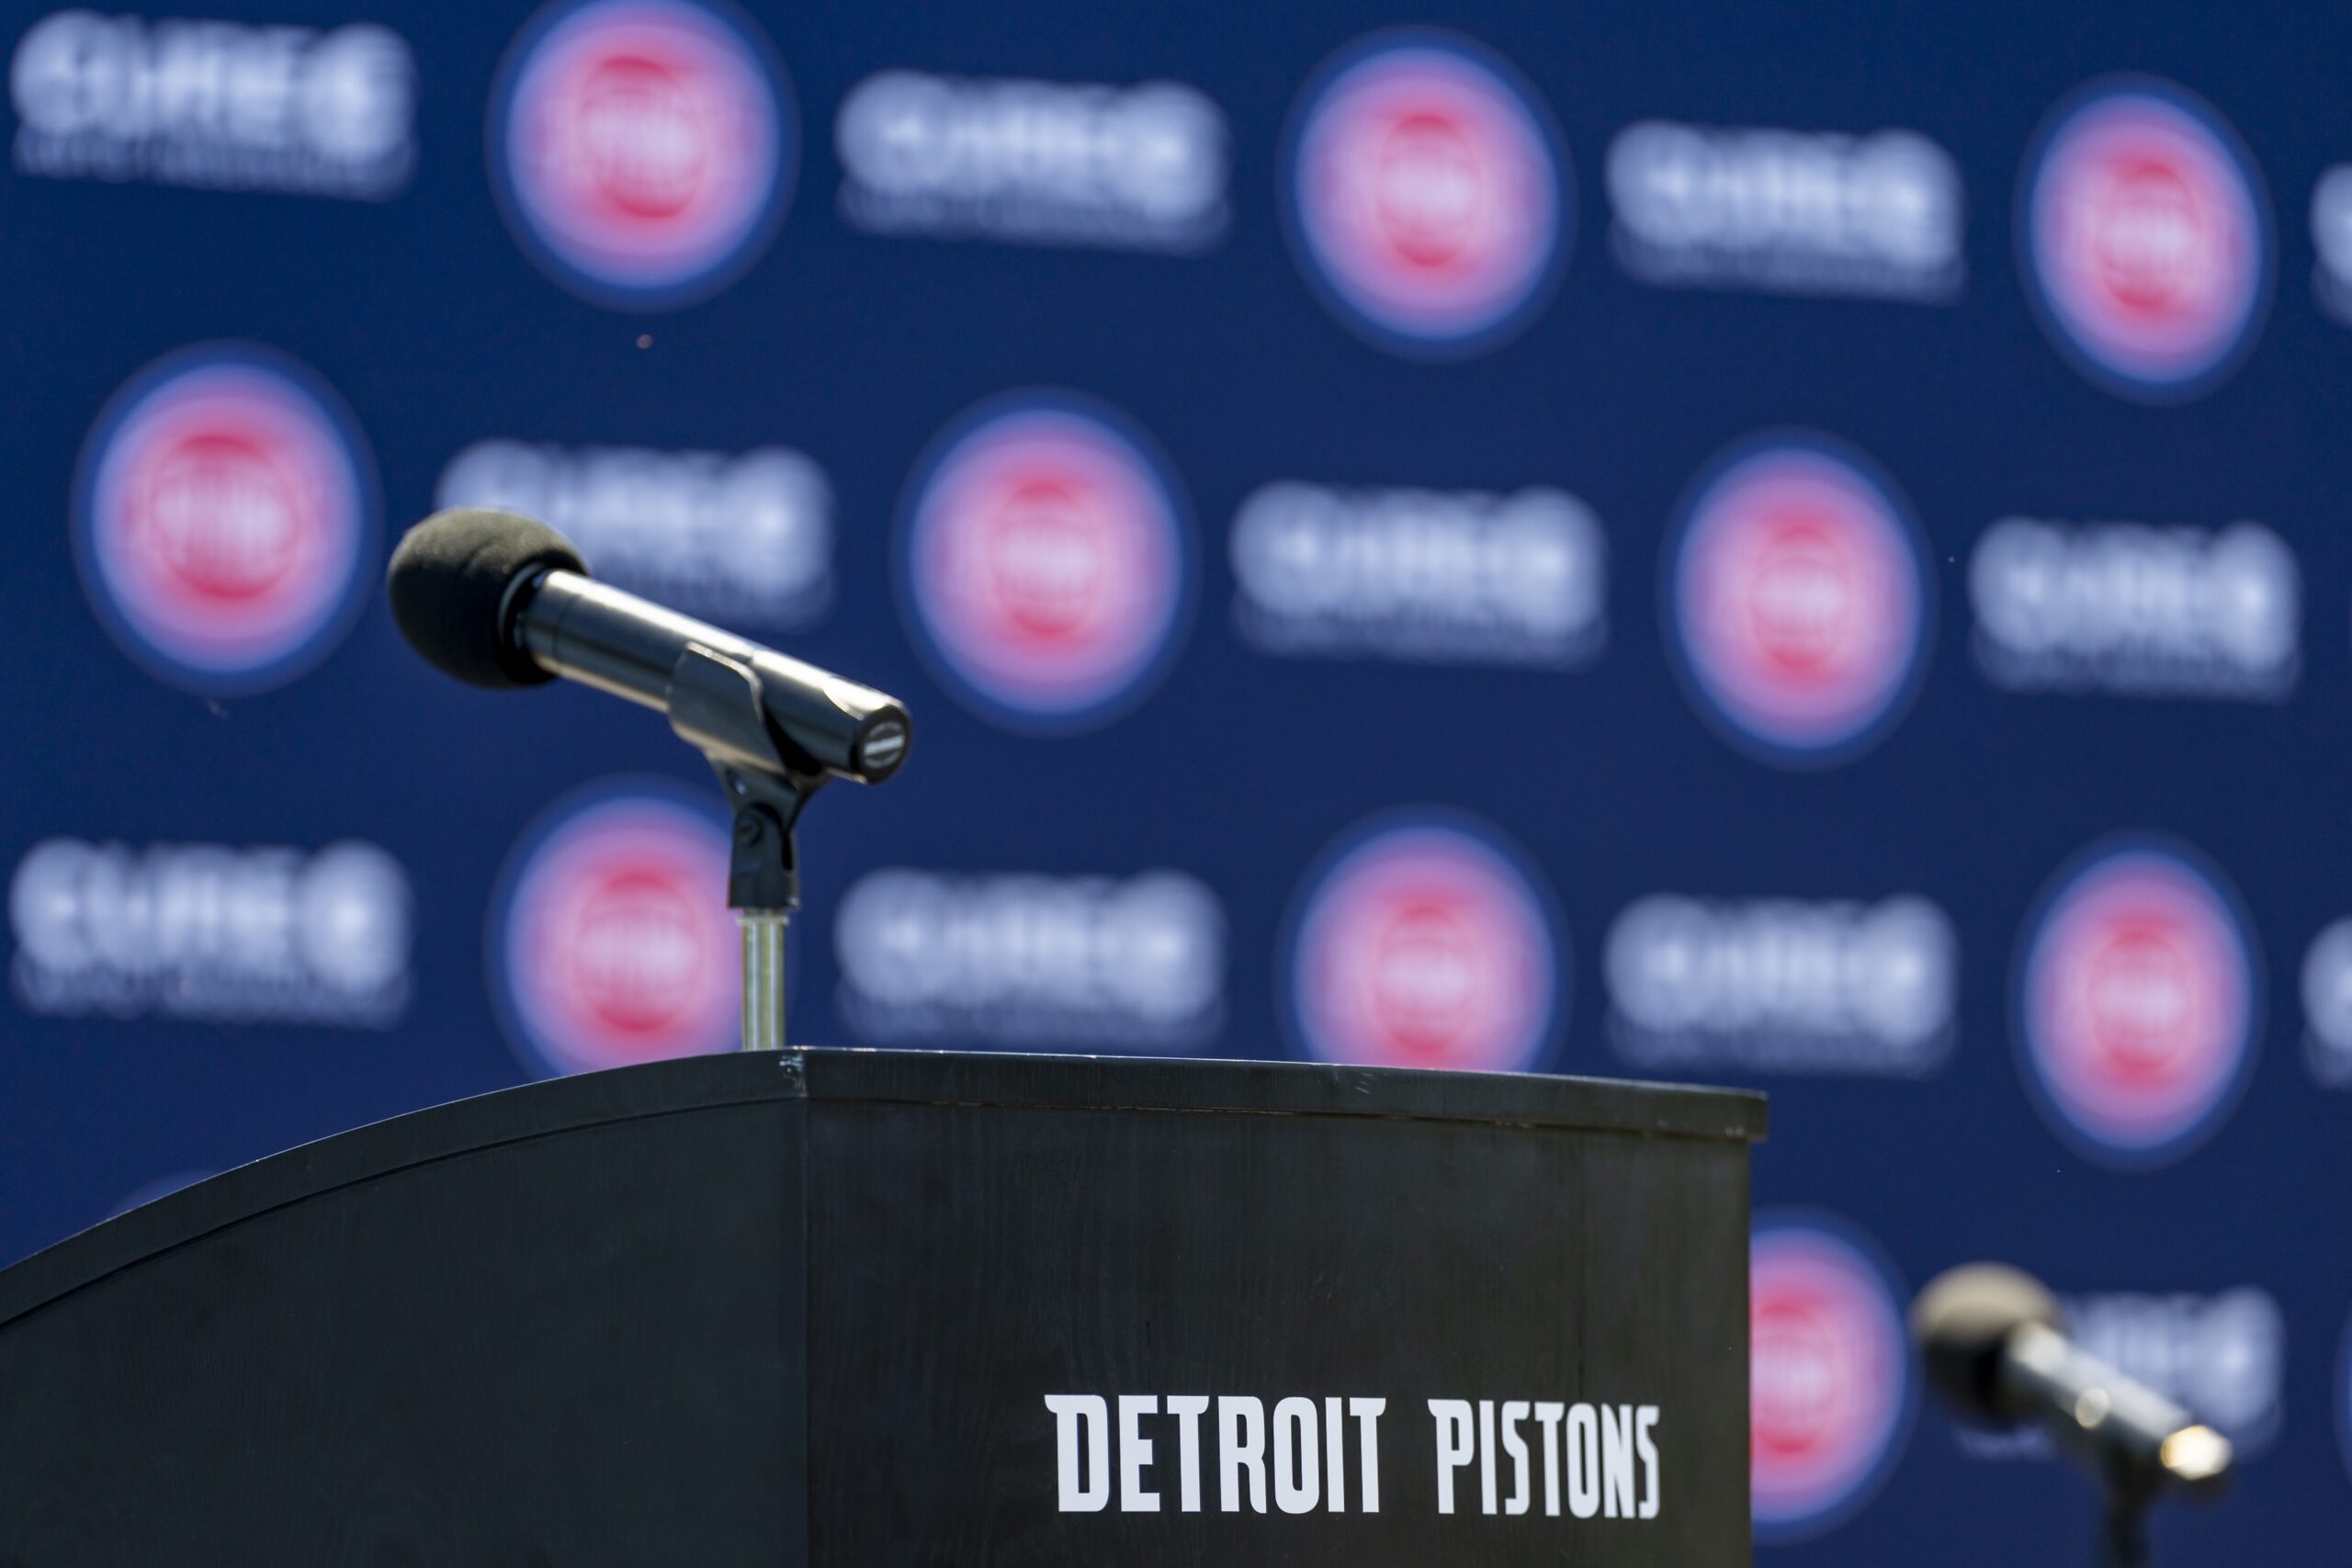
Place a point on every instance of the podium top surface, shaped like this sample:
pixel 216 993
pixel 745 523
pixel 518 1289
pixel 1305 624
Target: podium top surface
pixel 909 1078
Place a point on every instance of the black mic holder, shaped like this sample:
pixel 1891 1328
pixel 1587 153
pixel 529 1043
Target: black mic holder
pixel 717 707
pixel 717 704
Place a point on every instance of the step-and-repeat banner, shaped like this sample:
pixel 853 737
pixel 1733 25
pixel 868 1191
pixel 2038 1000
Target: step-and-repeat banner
pixel 1798 549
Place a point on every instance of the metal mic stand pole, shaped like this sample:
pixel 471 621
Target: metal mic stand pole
pixel 763 978
pixel 763 894
pixel 2124 1533
pixel 716 703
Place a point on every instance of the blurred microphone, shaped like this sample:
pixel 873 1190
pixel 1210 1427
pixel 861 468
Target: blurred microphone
pixel 1995 1342
pixel 499 601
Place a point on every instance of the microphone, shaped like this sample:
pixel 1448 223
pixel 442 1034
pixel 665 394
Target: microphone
pixel 499 601
pixel 1995 1347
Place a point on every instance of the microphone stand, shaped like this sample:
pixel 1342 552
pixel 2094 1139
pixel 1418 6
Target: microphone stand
pixel 717 704
pixel 2123 1531
pixel 762 888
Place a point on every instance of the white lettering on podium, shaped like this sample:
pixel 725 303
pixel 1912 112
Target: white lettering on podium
pixel 1617 1459
pixel 1240 1444
pixel 1583 1464
pixel 1367 1413
pixel 1303 1449
pixel 1644 1419
pixel 1188 1408
pixel 1454 1447
pixel 1486 1456
pixel 1298 1478
pixel 1547 1416
pixel 1604 1460
pixel 1071 1412
pixel 1334 1466
pixel 1514 1412
pixel 1135 1453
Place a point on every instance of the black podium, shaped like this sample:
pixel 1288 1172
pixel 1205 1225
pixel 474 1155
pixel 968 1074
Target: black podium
pixel 868 1308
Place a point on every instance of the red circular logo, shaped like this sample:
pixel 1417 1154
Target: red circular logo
pixel 224 511
pixel 2138 1004
pixel 1045 564
pixel 643 149
pixel 612 944
pixel 1425 942
pixel 1829 1375
pixel 1798 600
pixel 1427 192
pixel 2147 238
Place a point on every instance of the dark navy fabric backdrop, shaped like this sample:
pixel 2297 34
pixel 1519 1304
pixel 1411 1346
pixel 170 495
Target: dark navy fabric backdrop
pixel 1147 833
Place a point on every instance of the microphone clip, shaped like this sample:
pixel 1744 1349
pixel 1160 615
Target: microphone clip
pixel 718 705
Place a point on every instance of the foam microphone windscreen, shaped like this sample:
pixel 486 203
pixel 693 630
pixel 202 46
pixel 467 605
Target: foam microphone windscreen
pixel 1962 1322
pixel 449 584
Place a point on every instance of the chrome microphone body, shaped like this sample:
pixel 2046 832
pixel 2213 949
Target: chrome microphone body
pixel 499 601
pixel 580 629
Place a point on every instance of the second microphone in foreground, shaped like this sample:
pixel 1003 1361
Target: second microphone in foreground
pixel 1996 1349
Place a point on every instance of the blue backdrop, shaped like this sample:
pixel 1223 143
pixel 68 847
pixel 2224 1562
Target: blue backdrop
pixel 1802 548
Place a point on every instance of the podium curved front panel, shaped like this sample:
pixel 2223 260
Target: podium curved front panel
pixel 871 1308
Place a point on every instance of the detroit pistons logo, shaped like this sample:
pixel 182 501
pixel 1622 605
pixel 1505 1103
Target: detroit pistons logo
pixel 1428 197
pixel 643 151
pixel 610 939
pixel 223 514
pixel 1045 563
pixel 2139 1002
pixel 1425 941
pixel 1830 1395
pixel 2145 239
pixel 1798 600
